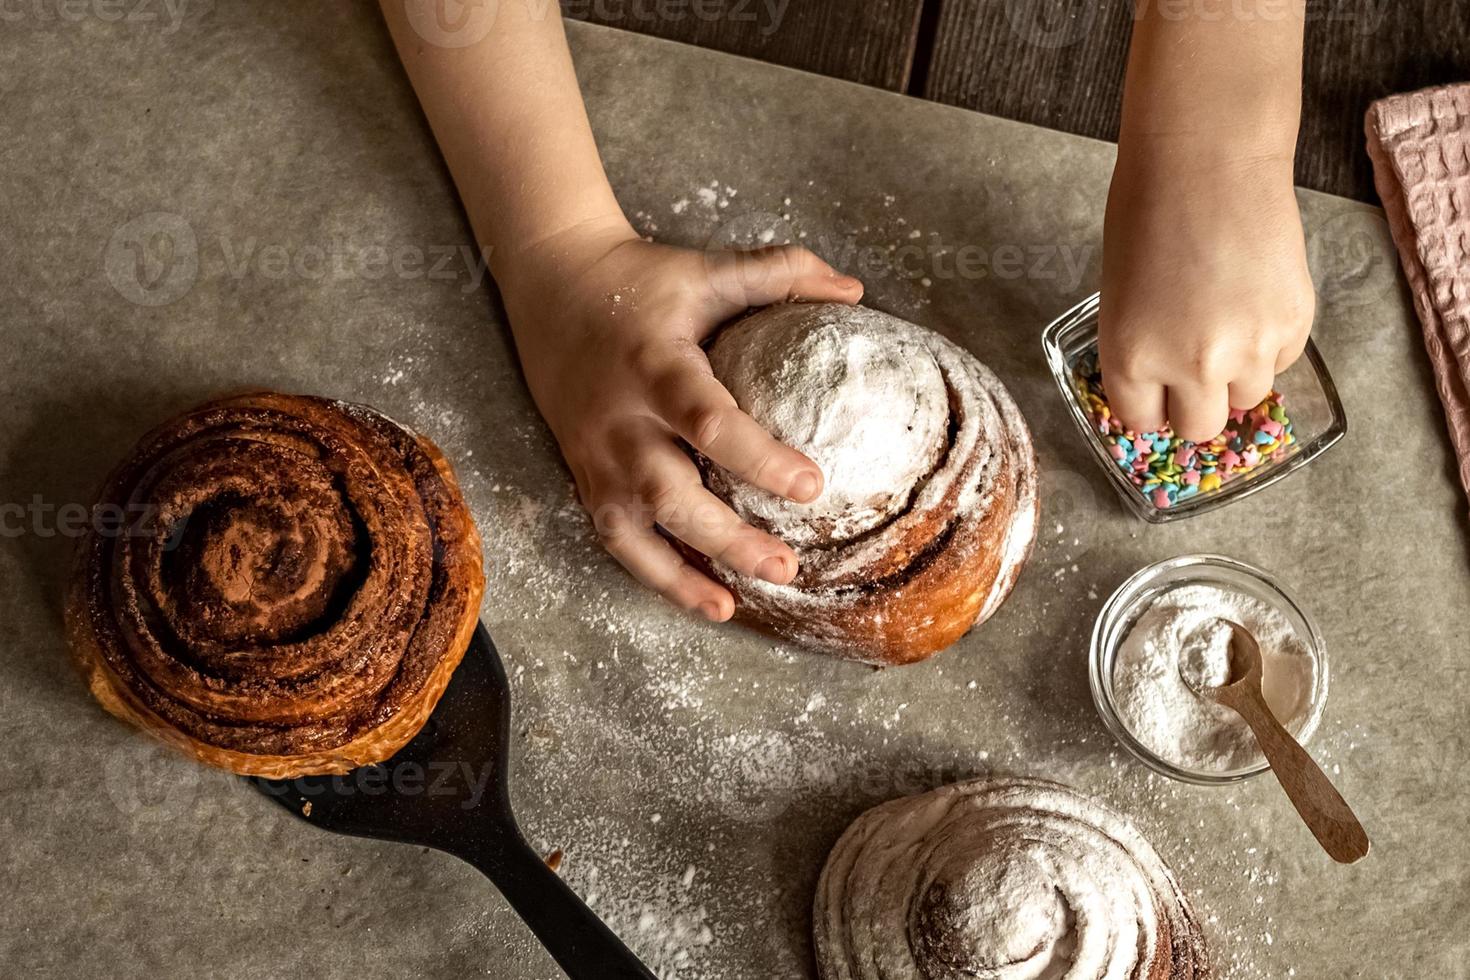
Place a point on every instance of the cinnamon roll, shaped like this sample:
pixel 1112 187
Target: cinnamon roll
pixel 929 507
pixel 1007 879
pixel 277 584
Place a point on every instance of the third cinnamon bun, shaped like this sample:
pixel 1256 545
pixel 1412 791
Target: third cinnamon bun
pixel 1012 879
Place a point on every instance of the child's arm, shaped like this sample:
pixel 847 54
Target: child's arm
pixel 607 325
pixel 1206 293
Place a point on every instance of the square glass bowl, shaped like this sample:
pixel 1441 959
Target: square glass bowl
pixel 1311 403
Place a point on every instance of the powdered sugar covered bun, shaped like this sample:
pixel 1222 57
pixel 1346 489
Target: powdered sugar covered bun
pixel 854 389
pixel 929 505
pixel 1013 879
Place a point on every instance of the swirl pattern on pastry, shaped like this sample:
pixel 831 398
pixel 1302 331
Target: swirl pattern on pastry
pixel 929 506
pixel 278 584
pixel 1009 879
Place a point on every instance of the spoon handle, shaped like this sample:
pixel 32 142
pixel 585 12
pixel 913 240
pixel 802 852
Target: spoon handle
pixel 582 945
pixel 1320 805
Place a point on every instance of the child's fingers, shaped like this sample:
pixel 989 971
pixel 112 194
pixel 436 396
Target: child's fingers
pixel 1198 412
pixel 1251 389
pixel 772 275
pixel 1139 405
pixel 669 486
pixel 629 537
pixel 1290 353
pixel 705 415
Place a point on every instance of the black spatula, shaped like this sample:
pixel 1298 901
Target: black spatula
pixel 447 789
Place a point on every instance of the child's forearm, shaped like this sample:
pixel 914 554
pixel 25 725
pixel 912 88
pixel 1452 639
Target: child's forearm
pixel 1206 294
pixel 509 119
pixel 1214 80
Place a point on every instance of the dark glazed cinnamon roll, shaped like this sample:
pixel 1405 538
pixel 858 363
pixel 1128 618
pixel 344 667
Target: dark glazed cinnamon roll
pixel 1009 878
pixel 930 504
pixel 280 585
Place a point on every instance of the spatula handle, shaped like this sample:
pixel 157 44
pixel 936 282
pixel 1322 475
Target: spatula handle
pixel 582 945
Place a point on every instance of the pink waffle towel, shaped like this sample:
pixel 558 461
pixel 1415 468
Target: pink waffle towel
pixel 1420 145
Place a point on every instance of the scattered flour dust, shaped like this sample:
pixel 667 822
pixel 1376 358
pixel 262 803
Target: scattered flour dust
pixel 621 699
pixel 662 684
pixel 662 898
pixel 898 263
pixel 541 554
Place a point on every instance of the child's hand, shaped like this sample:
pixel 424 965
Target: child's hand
pixel 1206 294
pixel 608 328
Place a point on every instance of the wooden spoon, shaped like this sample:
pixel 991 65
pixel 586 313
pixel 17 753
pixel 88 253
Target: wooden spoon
pixel 1321 807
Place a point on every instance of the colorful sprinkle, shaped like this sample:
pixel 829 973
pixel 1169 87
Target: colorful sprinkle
pixel 1168 470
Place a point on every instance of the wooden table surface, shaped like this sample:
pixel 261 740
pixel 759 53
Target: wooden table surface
pixel 1059 63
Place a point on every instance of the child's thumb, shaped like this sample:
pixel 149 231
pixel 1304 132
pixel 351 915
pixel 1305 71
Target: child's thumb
pixel 774 275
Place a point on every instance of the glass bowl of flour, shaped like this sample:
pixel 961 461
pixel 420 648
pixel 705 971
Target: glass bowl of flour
pixel 1165 632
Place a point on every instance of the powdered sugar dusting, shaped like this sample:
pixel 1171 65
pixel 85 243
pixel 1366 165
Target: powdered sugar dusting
pixel 740 744
pixel 907 426
pixel 754 755
pixel 866 403
pixel 1012 877
pixel 1184 633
